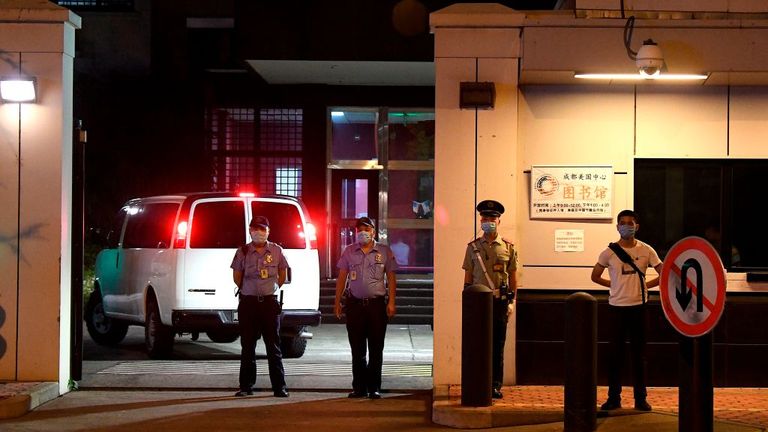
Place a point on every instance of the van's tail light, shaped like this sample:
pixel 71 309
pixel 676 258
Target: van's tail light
pixel 181 235
pixel 309 233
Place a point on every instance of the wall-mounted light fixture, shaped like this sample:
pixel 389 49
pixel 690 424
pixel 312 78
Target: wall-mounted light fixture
pixel 640 77
pixel 479 95
pixel 18 89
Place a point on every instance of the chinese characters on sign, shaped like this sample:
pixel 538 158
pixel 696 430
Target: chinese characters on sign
pixel 569 240
pixel 571 192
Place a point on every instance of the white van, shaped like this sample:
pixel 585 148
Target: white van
pixel 167 268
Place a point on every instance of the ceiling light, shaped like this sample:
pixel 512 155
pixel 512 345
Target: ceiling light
pixel 640 76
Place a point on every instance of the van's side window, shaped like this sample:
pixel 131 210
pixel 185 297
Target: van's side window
pixel 218 224
pixel 150 226
pixel 285 228
pixel 113 236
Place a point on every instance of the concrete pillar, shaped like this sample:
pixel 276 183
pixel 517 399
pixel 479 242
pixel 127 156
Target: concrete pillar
pixel 37 38
pixel 476 158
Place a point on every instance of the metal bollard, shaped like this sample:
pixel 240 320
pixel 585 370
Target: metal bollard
pixel 476 337
pixel 580 363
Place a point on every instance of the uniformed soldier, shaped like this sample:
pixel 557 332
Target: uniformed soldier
pixel 366 264
pixel 259 270
pixel 491 260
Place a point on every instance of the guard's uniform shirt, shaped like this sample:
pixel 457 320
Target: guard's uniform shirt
pixel 260 270
pixel 499 257
pixel 366 272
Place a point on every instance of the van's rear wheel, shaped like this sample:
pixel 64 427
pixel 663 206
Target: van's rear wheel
pixel 293 346
pixel 222 336
pixel 103 329
pixel 158 337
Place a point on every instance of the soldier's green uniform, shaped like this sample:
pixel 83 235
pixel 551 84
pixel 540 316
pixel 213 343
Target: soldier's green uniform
pixel 500 261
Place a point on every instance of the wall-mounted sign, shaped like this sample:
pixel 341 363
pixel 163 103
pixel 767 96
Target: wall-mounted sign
pixel 567 240
pixel 571 192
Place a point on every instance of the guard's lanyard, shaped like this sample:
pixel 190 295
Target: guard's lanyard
pixel 496 292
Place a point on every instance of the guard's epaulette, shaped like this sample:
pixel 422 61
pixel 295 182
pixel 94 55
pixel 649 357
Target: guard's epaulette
pixel 470 243
pixel 507 241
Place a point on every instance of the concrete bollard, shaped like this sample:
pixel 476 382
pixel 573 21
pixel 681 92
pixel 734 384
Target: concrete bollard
pixel 476 337
pixel 580 363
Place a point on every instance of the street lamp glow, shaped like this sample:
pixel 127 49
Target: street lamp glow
pixel 16 90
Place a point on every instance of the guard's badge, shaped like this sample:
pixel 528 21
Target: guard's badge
pixel 269 258
pixel 379 258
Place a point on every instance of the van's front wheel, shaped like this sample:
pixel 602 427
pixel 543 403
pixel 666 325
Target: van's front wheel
pixel 103 329
pixel 158 337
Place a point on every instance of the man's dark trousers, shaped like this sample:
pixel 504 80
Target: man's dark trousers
pixel 260 317
pixel 626 321
pixel 500 319
pixel 366 325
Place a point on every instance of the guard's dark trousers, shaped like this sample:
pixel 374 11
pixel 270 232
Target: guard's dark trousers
pixel 500 320
pixel 626 321
pixel 366 325
pixel 260 317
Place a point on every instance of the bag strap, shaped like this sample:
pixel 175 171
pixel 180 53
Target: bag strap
pixel 624 257
pixel 485 270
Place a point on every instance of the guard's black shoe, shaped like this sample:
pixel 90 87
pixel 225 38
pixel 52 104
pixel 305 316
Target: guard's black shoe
pixel 496 393
pixel 643 405
pixel 242 393
pixel 610 405
pixel 281 393
pixel 374 395
pixel 357 395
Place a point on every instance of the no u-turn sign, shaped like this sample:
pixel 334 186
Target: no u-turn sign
pixel 692 286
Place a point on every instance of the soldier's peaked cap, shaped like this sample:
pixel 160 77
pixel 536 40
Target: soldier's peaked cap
pixel 490 208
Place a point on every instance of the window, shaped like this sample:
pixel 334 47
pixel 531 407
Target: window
pixel 256 152
pixel 219 224
pixel 285 224
pixel 113 236
pixel 280 175
pixel 715 199
pixel 97 5
pixel 150 226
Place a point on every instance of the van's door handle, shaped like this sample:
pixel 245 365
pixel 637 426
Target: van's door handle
pixel 117 259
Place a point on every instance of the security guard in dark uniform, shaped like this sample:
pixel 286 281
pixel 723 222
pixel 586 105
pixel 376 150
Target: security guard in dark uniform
pixel 367 269
pixel 491 260
pixel 259 269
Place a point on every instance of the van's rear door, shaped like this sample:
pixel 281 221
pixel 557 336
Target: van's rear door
pixel 287 227
pixel 217 227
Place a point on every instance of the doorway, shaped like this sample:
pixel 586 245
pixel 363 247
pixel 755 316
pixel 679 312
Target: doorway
pixel 354 194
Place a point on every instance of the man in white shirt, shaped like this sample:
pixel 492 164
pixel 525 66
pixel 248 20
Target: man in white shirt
pixel 627 261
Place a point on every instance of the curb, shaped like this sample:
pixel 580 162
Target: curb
pixel 19 404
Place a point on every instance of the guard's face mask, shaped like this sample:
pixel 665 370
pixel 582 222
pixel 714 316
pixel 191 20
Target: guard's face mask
pixel 488 227
pixel 363 237
pixel 258 236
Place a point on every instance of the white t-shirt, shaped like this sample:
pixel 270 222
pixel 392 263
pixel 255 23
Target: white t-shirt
pixel 625 284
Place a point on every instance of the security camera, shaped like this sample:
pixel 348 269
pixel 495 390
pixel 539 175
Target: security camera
pixel 649 58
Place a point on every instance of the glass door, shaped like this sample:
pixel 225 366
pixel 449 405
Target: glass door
pixel 355 193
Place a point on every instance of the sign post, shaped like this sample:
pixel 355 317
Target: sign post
pixel 692 288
